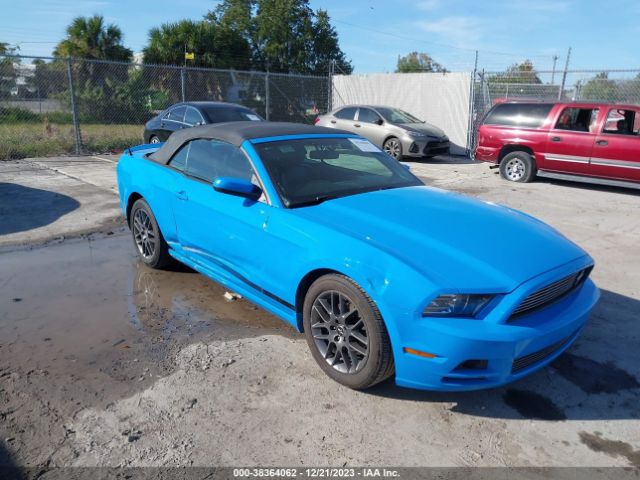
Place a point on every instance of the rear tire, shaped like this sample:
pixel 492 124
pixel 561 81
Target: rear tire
pixel 154 139
pixel 518 167
pixel 346 333
pixel 150 244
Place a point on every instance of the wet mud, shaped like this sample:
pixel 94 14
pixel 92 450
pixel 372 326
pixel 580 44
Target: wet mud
pixel 85 323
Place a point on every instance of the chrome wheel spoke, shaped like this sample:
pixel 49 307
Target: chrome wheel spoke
pixel 344 347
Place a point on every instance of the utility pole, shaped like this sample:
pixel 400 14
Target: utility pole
pixel 472 108
pixel 553 72
pixel 267 95
pixel 564 74
pixel 332 66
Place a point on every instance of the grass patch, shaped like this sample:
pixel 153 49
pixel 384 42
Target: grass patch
pixel 21 140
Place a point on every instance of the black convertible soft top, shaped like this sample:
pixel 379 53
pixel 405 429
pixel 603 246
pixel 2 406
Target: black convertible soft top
pixel 235 133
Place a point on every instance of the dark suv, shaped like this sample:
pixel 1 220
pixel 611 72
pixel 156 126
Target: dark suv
pixel 586 139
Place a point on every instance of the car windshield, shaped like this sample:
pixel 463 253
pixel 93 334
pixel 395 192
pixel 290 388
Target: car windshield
pixel 310 171
pixel 219 115
pixel 394 115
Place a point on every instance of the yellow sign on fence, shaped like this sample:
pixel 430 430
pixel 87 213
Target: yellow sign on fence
pixel 189 56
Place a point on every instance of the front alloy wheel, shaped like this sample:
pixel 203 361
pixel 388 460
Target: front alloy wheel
pixel 345 332
pixel 393 147
pixel 339 333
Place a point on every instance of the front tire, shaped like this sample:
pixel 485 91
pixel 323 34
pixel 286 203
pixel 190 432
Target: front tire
pixel 346 333
pixel 150 244
pixel 518 167
pixel 393 147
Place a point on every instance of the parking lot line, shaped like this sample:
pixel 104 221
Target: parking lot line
pixel 104 159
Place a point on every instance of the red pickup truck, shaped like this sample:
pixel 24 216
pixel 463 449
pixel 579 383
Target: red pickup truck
pixel 595 140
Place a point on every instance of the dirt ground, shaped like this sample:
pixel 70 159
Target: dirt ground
pixel 105 362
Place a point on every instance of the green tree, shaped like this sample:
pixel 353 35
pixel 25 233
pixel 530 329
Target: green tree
pixel 213 45
pixel 89 37
pixel 8 72
pixel 600 88
pixel 418 62
pixel 523 72
pixel 285 36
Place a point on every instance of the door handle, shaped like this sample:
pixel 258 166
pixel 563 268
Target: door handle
pixel 602 142
pixel 333 121
pixel 182 195
pixel 556 139
pixel 356 125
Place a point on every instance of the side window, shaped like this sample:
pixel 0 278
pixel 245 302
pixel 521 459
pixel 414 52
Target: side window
pixel 193 117
pixel 622 122
pixel 176 114
pixel 577 119
pixel 367 115
pixel 526 115
pixel 209 159
pixel 347 113
pixel 179 159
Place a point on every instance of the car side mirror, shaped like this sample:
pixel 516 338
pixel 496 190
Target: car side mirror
pixel 237 187
pixel 379 121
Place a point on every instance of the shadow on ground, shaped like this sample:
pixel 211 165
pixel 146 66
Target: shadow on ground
pixel 631 190
pixel 442 159
pixel 25 208
pixel 578 385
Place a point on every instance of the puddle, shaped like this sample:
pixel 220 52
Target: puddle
pixel 533 405
pixel 594 377
pixel 613 448
pixel 90 312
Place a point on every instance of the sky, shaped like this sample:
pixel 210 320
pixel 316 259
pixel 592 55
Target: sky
pixel 372 33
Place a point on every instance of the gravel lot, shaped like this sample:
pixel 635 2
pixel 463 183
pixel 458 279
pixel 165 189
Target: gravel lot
pixel 105 362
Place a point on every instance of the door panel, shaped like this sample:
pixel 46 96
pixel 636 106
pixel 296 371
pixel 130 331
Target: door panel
pixel 617 156
pixel 570 141
pixel 568 152
pixel 367 127
pixel 222 231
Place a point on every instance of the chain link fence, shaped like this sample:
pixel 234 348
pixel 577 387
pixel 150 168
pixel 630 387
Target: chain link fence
pixel 68 106
pixel 64 106
pixel 610 86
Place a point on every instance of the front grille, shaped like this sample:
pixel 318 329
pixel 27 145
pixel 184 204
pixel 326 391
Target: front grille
pixel 436 147
pixel 550 293
pixel 521 363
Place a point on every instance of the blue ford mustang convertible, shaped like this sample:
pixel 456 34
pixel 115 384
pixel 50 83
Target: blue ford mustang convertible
pixel 384 275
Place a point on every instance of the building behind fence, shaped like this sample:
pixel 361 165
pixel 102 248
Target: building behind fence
pixel 61 106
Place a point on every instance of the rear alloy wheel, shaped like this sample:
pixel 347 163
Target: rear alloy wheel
pixel 345 333
pixel 393 147
pixel 150 244
pixel 154 139
pixel 518 167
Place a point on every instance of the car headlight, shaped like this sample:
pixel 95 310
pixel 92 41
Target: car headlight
pixel 416 134
pixel 453 305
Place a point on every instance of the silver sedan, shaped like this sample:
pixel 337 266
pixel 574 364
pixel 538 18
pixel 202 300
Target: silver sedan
pixel 398 133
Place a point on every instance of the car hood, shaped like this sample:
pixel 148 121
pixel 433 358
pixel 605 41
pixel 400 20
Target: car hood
pixel 456 241
pixel 427 128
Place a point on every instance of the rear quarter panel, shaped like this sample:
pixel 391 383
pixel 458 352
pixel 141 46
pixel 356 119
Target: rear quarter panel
pixel 155 183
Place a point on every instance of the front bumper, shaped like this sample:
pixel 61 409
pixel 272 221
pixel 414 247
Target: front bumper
pixel 424 147
pixel 510 351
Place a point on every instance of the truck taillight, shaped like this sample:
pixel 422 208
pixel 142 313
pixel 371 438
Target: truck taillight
pixel 315 122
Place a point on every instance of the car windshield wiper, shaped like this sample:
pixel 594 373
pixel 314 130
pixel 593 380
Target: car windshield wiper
pixel 314 201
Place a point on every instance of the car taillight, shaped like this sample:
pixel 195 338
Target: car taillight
pixel 315 122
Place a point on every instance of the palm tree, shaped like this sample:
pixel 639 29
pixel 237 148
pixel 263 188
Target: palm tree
pixel 89 37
